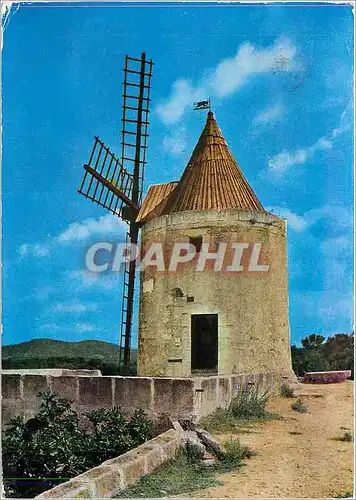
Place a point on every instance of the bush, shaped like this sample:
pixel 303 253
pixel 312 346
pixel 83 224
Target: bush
pixel 286 391
pixel 235 452
pixel 51 447
pixel 250 402
pixel 248 405
pixel 299 406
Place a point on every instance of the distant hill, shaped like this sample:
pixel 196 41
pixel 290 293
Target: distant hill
pixel 48 353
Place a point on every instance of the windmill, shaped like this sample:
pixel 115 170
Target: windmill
pixel 117 183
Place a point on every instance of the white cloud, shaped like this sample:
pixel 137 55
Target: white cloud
pixel 76 307
pixel 182 96
pixel 106 225
pixel 228 77
pixel 176 143
pixel 232 73
pixel 282 162
pixel 296 222
pixel 79 327
pixel 34 250
pixel 338 217
pixel 343 126
pixel 84 327
pixel 270 114
pixel 86 279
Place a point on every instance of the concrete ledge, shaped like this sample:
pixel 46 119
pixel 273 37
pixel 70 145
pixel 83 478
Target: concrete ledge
pixel 327 377
pixel 113 476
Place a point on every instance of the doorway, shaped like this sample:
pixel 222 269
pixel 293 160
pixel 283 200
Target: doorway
pixel 204 339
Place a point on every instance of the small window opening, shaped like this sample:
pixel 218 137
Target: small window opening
pixel 196 242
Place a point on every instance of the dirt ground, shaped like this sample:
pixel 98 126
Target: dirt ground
pixel 309 464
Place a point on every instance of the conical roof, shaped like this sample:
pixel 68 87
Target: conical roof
pixel 212 179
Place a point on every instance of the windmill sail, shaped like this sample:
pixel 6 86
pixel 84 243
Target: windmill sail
pixel 106 182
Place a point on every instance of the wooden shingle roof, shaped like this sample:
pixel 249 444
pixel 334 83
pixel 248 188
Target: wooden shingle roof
pixel 212 180
pixel 155 200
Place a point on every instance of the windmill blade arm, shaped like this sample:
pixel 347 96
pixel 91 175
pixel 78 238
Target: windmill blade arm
pixel 112 188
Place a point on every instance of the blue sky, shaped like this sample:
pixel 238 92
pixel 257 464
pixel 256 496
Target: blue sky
pixel 280 79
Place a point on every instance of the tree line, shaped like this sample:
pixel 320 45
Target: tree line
pixel 320 354
pixel 316 354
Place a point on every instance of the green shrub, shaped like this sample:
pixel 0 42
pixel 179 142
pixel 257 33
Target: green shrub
pixel 299 406
pixel 235 452
pixel 249 403
pixel 286 391
pixel 51 448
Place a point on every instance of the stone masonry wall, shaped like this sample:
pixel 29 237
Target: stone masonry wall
pixel 178 397
pixel 252 307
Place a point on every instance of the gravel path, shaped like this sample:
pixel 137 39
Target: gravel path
pixel 307 464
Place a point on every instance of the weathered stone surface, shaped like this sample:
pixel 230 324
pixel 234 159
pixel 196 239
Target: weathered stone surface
pixel 224 396
pixel 195 443
pixel 252 307
pixel 210 442
pixel 209 395
pixel 153 458
pixel 70 489
pixel 177 426
pixel 108 481
pixel 66 387
pixel 10 386
pixel 173 396
pixel 171 448
pixel 237 382
pixel 11 408
pixel 95 392
pixel 32 386
pixel 133 392
pixel 162 423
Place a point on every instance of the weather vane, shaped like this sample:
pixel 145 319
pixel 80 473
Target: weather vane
pixel 202 105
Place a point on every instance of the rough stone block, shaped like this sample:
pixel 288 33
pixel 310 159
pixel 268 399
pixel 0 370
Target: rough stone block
pixel 133 393
pixel 194 442
pixel 32 386
pixel 70 489
pixel 162 423
pixel 171 448
pixel 259 381
pixel 132 470
pixel 95 392
pixel 65 387
pixel 11 409
pixel 174 396
pixel 10 386
pixel 237 382
pixel 153 458
pixel 224 397
pixel 209 396
pixel 106 481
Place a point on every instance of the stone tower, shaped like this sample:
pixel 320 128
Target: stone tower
pixel 232 315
